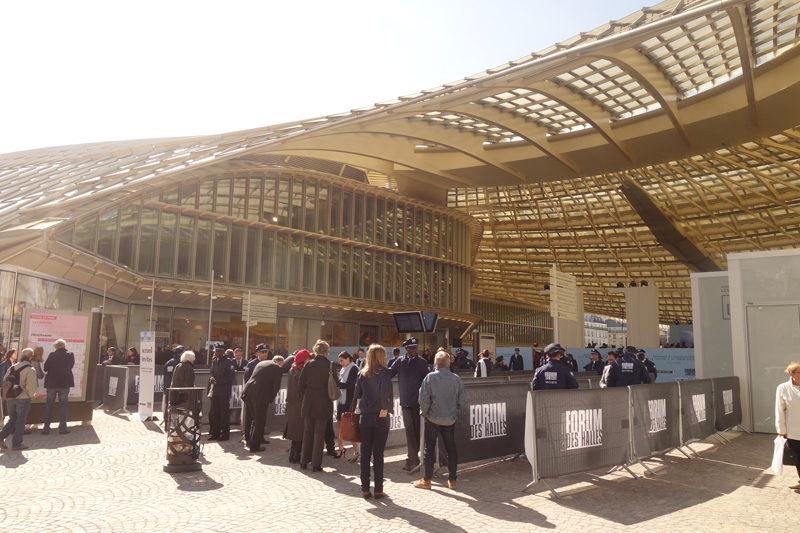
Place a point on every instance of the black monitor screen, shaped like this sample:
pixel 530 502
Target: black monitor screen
pixel 430 320
pixel 409 322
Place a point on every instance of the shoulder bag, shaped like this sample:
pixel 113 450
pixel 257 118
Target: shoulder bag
pixel 333 386
pixel 348 425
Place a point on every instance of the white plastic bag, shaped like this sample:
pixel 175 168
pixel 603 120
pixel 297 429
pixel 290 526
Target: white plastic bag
pixel 777 456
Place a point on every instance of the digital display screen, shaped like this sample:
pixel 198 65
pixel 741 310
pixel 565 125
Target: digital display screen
pixel 430 320
pixel 409 322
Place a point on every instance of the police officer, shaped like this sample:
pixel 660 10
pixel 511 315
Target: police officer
pixel 627 370
pixel 651 366
pixel 554 374
pixel 596 364
pixel 169 366
pixel 262 351
pixel 222 378
pixel 462 363
pixel 410 370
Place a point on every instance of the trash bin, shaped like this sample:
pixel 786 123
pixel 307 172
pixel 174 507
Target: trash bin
pixel 183 429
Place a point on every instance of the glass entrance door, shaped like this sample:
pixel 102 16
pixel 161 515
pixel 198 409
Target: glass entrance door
pixel 773 333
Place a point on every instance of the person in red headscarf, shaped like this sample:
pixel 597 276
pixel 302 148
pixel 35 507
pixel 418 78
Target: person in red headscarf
pixel 294 401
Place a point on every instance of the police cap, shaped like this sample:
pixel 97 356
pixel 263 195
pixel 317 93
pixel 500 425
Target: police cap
pixel 179 349
pixel 595 352
pixel 554 348
pixel 262 348
pixel 640 352
pixel 461 352
pixel 411 342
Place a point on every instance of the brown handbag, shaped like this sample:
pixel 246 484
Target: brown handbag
pixel 348 425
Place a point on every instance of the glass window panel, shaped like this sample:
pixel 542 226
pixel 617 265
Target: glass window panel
pixel 450 231
pixel 390 336
pixel 426 284
pixel 388 287
pixel 436 282
pixel 66 235
pixel 139 320
pixel 336 211
pixel 237 253
pixel 239 201
pixel 203 250
pixel 6 299
pixel 311 207
pixel 322 222
pixel 333 269
pixel 186 247
pixel 206 199
pixel 357 272
pixel 308 265
pixel 128 235
pixel 189 195
pixel 322 261
pixel 269 214
pixel 345 334
pixel 399 276
pixel 369 220
pixel 166 249
pixel 380 221
pixel 409 230
pixel 347 214
pixel 378 277
pixel 107 236
pixel 223 204
pixel 85 234
pixel 251 263
pixel 283 201
pixel 295 273
pixel 267 256
pixel 297 204
pixel 409 280
pixel 435 237
pixel 254 199
pixel 426 244
pixel 344 265
pixel 281 256
pixel 115 320
pixel 417 281
pixel 171 196
pixel 220 252
pixel 400 227
pixel 367 275
pixel 450 287
pixel 419 232
pixel 147 241
pixel 358 218
pixel 389 225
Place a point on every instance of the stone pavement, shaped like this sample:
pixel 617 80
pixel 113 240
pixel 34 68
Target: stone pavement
pixel 107 477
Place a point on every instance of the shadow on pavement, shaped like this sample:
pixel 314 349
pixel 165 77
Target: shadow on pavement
pixel 196 482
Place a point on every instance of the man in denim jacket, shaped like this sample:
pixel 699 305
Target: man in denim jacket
pixel 441 395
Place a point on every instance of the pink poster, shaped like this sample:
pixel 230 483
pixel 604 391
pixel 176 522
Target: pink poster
pixel 45 327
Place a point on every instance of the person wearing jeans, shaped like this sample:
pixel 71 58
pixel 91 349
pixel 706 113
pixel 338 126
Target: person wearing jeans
pixel 374 390
pixel 58 380
pixel 19 406
pixel 441 395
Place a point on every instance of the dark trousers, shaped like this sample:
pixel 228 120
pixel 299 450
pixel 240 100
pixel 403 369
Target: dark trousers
pixel 220 417
pixel 257 416
pixel 448 433
pixel 411 422
pixel 330 436
pixel 295 451
pixel 374 432
pixel 794 445
pixel 313 441
pixel 247 423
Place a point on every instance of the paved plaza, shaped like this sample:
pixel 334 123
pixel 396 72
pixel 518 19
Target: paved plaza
pixel 108 477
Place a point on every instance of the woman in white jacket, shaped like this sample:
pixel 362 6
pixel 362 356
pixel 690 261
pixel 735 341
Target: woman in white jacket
pixel 787 412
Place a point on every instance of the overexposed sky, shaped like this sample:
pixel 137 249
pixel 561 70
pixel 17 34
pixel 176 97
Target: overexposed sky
pixel 87 71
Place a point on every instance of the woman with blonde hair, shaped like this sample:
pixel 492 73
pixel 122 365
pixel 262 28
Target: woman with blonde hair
pixel 317 408
pixel 787 412
pixel 374 390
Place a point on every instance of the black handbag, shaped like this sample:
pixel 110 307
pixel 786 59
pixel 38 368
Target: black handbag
pixel 789 456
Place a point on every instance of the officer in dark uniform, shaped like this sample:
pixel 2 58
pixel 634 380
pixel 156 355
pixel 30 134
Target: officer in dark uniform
pixel 554 374
pixel 410 370
pixel 627 370
pixel 651 366
pixel 262 351
pixel 571 362
pixel 222 378
pixel 596 364
pixel 169 366
pixel 462 363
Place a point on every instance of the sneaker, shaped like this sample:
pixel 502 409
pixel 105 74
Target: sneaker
pixel 423 484
pixel 20 447
pixel 451 485
pixel 795 487
pixel 63 431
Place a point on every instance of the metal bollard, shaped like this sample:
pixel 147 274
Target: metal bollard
pixel 183 429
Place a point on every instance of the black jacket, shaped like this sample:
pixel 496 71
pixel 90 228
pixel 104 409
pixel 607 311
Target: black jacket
pixel 264 384
pixel 627 370
pixel 516 362
pixel 488 364
pixel 251 365
pixel 554 375
pixel 222 372
pixel 314 387
pixel 463 363
pixel 595 366
pixel 410 373
pixel 294 403
pixel 169 369
pixel 239 366
pixel 59 370
pixel 651 368
pixel 375 392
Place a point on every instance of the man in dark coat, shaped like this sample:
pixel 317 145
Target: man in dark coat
pixel 596 364
pixel 222 376
pixel 317 407
pixel 649 365
pixel 238 360
pixel 262 351
pixel 58 380
pixel 554 375
pixel 410 371
pixel 627 370
pixel 259 391
pixel 516 363
pixel 462 362
pixel 169 366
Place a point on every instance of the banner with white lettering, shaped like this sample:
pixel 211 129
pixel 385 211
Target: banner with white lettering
pixel 656 418
pixel 727 403
pixel 697 409
pixel 580 430
pixel 116 389
pixel 147 374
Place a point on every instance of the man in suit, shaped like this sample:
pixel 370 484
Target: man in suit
pixel 259 391
pixel 516 363
pixel 58 380
pixel 222 377
pixel 238 360
pixel 262 351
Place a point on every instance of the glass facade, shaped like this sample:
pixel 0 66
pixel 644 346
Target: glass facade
pixel 289 234
pixel 514 326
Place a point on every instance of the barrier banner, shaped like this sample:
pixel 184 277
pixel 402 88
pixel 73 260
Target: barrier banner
pixel 201 380
pixel 697 409
pixel 727 403
pixel 580 430
pixel 584 383
pixel 115 393
pixel 656 418
pixel 492 425
pixel 276 414
pixel 134 376
pixel 147 375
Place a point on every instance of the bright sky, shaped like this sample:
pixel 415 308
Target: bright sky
pixel 86 71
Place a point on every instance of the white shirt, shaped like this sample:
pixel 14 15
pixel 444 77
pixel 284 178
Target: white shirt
pixel 787 410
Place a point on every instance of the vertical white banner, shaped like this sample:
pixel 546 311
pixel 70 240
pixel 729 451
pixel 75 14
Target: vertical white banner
pixel 147 371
